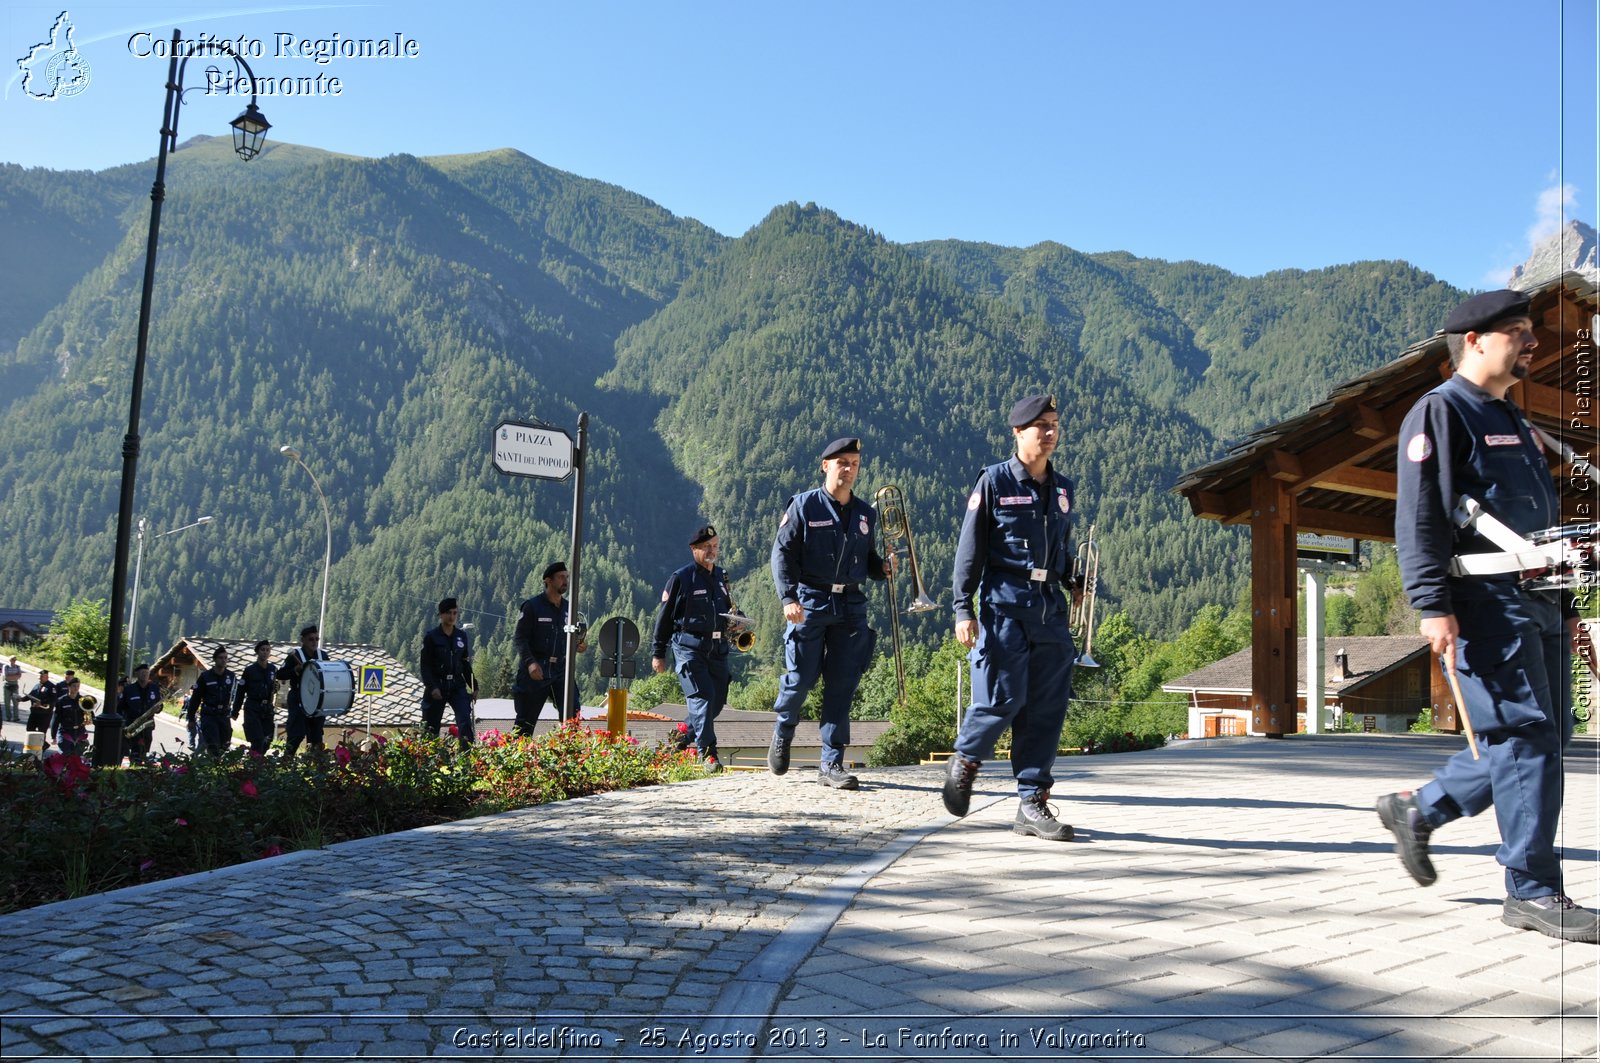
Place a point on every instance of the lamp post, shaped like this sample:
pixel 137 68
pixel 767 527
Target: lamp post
pixel 138 563
pixel 249 129
pixel 327 523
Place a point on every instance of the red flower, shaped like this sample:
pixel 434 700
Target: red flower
pixel 683 728
pixel 455 732
pixel 272 850
pixel 181 822
pixel 342 755
pixel 381 739
pixel 248 788
pixel 180 769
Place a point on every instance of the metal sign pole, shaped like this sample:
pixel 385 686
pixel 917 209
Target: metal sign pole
pixel 579 452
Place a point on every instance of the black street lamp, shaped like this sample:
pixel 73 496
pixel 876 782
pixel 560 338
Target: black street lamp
pixel 249 129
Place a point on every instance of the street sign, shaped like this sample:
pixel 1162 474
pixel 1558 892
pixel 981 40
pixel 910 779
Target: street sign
pixel 619 639
pixel 372 680
pixel 536 450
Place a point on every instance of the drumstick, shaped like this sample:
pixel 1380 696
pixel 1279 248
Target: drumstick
pixel 1461 704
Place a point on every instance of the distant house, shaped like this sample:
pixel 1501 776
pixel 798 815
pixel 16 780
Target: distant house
pixel 24 625
pixel 1380 680
pixel 397 707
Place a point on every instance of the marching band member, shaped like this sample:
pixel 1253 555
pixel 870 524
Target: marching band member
pixel 1016 553
pixel 691 620
pixel 1510 646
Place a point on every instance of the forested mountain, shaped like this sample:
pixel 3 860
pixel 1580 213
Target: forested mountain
pixel 1234 353
pixel 383 314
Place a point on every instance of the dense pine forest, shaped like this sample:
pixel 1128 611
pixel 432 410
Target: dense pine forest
pixel 381 315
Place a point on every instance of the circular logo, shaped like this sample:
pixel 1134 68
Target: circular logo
pixel 1420 448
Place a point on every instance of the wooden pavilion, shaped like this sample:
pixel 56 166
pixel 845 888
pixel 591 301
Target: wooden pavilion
pixel 1331 470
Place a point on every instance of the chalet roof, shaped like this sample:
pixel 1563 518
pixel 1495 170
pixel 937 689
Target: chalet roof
pixel 1371 657
pixel 32 619
pixel 398 706
pixel 1338 458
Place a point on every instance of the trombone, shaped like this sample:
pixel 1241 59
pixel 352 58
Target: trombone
pixel 1081 619
pixel 893 526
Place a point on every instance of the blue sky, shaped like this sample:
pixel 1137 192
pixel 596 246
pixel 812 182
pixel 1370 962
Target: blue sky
pixel 1253 135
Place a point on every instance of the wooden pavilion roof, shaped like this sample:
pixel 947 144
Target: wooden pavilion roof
pixel 1338 458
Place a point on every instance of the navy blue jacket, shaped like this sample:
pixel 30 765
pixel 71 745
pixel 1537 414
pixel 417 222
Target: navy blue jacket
pixel 1015 527
pixel 1459 440
pixel 257 685
pixel 691 603
pixel 446 661
pixel 215 692
pixel 821 543
pixel 135 700
pixel 540 635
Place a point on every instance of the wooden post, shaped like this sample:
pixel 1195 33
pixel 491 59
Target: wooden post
pixel 1273 694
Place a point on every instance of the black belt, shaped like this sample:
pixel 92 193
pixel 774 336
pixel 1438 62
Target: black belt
pixel 832 588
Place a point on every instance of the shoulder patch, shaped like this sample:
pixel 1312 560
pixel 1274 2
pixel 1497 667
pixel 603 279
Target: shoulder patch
pixel 1419 448
pixel 975 500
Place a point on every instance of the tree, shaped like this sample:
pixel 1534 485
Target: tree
pixel 80 636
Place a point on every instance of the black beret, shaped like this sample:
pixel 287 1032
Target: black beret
pixel 702 533
pixel 847 445
pixel 1030 409
pixel 1481 311
pixel 553 567
pixel 448 604
pixel 260 644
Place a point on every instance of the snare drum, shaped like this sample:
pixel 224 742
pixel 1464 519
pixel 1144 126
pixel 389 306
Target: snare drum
pixel 327 688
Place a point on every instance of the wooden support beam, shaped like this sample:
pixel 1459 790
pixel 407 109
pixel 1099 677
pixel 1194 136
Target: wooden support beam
pixel 1357 526
pixel 1282 465
pixel 1369 422
pixel 1356 481
pixel 1274 694
pixel 1209 505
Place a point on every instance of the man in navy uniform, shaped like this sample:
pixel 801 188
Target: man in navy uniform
pixel 540 642
pixel 42 699
pixel 299 726
pixel 137 699
pixel 447 675
pixel 70 718
pixel 213 693
pixel 1511 645
pixel 691 619
pixel 825 550
pixel 254 696
pixel 1016 553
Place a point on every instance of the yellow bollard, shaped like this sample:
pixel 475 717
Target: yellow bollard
pixel 617 711
pixel 33 745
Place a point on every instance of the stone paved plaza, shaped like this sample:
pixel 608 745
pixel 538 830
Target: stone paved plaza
pixel 1232 899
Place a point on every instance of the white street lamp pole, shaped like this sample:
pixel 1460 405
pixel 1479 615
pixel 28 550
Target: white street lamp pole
pixel 327 522
pixel 133 604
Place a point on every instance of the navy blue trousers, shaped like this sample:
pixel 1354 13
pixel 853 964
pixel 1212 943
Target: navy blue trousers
pixel 837 650
pixel 1021 679
pixel 1513 659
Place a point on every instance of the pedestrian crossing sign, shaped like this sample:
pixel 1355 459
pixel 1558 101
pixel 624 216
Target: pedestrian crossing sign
pixel 372 679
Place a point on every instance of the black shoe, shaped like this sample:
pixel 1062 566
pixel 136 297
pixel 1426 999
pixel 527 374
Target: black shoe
pixel 713 764
pixel 1399 812
pixel 1556 916
pixel 778 755
pixel 835 776
pixel 1034 817
pixel 958 779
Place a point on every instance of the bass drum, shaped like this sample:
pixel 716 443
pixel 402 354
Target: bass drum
pixel 327 688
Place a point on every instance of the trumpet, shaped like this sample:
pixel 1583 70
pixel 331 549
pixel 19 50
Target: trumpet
pixel 741 631
pixel 894 525
pixel 1081 619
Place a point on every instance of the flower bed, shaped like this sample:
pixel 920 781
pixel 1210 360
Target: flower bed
pixel 71 829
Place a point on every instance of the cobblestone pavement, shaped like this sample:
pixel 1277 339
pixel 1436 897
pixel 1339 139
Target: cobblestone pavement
pixel 1232 899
